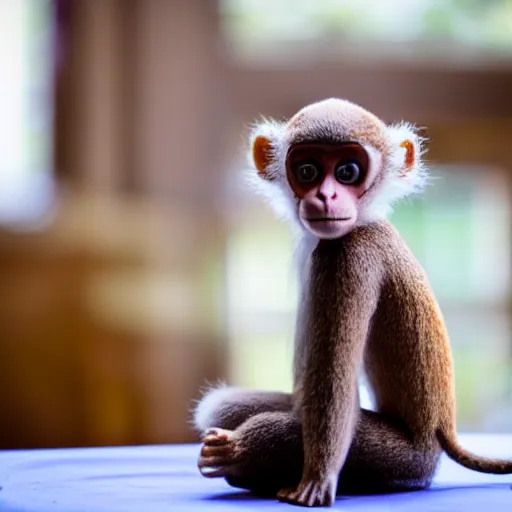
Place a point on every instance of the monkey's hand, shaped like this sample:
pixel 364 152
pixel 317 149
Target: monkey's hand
pixel 318 492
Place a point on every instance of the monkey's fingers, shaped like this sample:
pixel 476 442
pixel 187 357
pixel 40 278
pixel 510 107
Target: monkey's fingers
pixel 309 494
pixel 217 436
pixel 217 453
pixel 213 472
pixel 283 494
pixel 223 450
pixel 214 461
pixel 213 467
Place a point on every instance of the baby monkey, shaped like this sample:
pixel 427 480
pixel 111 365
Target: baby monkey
pixel 334 169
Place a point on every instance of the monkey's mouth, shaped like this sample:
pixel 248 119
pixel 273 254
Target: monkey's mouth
pixel 329 219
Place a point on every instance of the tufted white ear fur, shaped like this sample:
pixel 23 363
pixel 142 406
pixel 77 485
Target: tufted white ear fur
pixel 271 183
pixel 405 172
pixel 275 133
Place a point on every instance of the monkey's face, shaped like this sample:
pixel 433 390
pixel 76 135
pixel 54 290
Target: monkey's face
pixel 335 166
pixel 328 181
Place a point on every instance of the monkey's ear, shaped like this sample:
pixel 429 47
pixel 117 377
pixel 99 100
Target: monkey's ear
pixel 405 173
pixel 261 154
pixel 410 156
pixel 407 148
pixel 268 148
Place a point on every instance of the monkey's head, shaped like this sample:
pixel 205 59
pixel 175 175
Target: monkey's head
pixel 334 166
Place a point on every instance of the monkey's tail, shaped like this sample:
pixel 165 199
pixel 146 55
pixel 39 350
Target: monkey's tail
pixel 469 460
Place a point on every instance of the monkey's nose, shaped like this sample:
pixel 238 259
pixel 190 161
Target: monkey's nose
pixel 326 198
pixel 327 191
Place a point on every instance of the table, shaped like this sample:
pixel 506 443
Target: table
pixel 165 478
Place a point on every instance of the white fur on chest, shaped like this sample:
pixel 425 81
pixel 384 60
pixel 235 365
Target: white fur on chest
pixel 305 248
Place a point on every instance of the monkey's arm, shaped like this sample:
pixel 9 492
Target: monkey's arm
pixel 342 298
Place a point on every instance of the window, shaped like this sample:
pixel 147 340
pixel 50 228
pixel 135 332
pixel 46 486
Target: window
pixel 348 27
pixel 25 103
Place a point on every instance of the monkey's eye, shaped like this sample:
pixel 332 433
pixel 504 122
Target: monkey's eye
pixel 307 173
pixel 348 173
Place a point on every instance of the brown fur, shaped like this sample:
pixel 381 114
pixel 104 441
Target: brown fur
pixel 366 304
pixel 343 123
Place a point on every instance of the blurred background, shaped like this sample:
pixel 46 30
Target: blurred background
pixel 133 269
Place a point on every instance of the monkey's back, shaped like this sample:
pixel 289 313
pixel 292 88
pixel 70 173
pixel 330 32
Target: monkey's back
pixel 408 359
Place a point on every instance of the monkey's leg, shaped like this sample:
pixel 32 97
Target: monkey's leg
pixel 385 457
pixel 223 410
pixel 229 407
pixel 264 454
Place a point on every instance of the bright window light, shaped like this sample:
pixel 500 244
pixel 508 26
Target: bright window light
pixel 26 187
pixel 484 25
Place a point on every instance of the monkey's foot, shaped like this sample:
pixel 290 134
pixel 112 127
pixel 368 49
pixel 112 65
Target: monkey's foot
pixel 217 455
pixel 311 493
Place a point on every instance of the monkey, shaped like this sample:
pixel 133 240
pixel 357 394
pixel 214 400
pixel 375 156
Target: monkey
pixel 334 171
